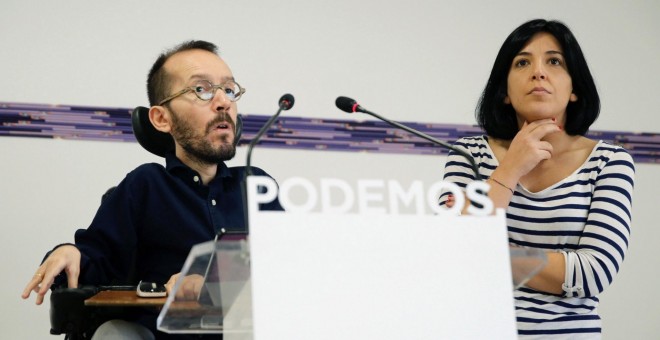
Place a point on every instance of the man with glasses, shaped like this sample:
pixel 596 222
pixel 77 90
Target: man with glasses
pixel 145 228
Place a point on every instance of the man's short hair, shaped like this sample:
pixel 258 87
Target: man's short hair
pixel 158 81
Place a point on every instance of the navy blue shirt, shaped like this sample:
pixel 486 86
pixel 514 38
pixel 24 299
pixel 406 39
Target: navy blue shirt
pixel 145 227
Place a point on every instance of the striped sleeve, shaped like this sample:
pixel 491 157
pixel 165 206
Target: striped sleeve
pixel 458 169
pixel 591 267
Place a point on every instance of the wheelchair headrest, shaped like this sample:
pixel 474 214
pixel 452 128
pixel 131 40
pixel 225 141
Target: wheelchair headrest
pixel 157 142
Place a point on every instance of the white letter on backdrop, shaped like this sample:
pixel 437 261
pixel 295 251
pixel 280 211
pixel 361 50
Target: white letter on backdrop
pixel 255 197
pixel 326 200
pixel 416 193
pixel 433 195
pixel 365 197
pixel 285 199
pixel 482 199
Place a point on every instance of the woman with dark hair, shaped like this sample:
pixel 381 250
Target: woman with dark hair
pixel 565 194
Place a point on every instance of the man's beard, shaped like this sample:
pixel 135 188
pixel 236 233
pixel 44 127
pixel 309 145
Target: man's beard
pixel 197 146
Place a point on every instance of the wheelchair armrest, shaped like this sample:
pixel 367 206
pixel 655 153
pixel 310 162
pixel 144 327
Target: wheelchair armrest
pixel 68 313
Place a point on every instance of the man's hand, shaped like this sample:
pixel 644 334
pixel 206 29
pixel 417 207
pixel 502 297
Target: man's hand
pixel 67 258
pixel 190 287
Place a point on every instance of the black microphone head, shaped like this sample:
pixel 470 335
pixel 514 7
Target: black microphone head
pixel 286 101
pixel 346 104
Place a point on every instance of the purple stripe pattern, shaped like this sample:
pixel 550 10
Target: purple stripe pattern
pixel 114 124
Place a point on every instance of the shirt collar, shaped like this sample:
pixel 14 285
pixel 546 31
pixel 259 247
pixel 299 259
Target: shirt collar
pixel 175 166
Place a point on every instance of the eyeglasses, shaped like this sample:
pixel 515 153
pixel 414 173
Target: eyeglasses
pixel 205 90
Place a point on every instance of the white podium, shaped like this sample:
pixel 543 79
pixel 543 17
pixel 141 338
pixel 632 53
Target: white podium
pixel 350 276
pixel 381 277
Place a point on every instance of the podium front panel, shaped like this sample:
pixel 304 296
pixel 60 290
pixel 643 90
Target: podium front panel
pixel 361 276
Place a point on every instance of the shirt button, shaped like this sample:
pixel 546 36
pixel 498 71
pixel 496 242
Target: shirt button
pixel 213 202
pixel 196 179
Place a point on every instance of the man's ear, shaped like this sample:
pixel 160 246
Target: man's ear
pixel 507 100
pixel 160 119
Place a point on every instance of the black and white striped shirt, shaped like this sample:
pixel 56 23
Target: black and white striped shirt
pixel 586 216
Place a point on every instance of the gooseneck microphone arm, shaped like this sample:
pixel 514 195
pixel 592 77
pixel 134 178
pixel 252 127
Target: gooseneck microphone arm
pixel 351 106
pixel 285 103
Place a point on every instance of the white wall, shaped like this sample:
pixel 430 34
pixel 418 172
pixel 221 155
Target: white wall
pixel 409 60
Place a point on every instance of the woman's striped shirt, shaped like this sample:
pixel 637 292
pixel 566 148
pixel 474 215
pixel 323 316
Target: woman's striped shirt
pixel 586 216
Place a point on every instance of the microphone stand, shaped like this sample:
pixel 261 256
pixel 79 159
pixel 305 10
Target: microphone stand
pixel 422 135
pixel 285 103
pixel 253 142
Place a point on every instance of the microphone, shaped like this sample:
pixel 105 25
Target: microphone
pixel 351 106
pixel 285 103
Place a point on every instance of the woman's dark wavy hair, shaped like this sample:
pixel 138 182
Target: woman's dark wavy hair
pixel 498 119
